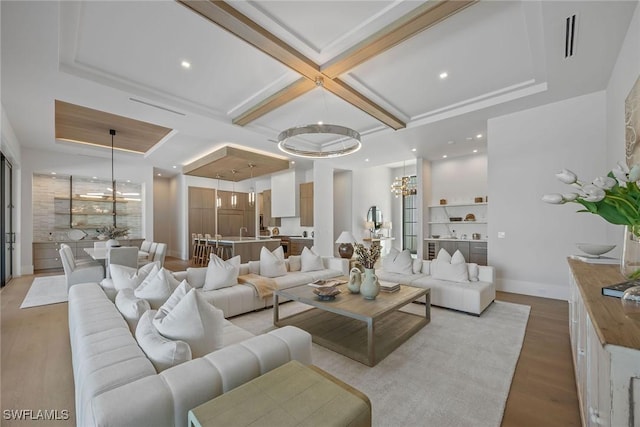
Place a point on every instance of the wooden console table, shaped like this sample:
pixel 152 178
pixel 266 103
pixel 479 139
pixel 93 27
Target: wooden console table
pixel 606 348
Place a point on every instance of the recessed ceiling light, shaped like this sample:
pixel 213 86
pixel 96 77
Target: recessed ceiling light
pixel 185 64
pixel 444 75
pixel 475 151
pixel 366 160
pixel 444 157
pixel 174 166
pixel 128 180
pixel 451 142
pixel 479 136
pixel 159 174
pixel 53 173
pixel 320 122
pixel 293 162
pixel 95 177
pixel 414 149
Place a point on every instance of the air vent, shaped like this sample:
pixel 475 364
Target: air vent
pixel 570 36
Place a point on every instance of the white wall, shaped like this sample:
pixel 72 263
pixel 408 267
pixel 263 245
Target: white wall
pixel 526 149
pixel 459 180
pixel 342 204
pixel 164 216
pixel 371 187
pixel 36 161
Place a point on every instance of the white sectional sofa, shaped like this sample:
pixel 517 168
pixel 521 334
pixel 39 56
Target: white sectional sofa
pixel 243 298
pixel 472 297
pixel 116 385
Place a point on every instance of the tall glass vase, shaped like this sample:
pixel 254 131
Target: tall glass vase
pixel 630 260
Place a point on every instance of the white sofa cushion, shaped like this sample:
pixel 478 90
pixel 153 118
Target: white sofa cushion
pixel 295 263
pixel 221 273
pixel 417 266
pixel 272 263
pixel 473 271
pixel 157 288
pixel 124 277
pixel 310 261
pixel 447 267
pixel 398 262
pixel 162 352
pixel 175 297
pixel 196 276
pixel 131 307
pixel 194 321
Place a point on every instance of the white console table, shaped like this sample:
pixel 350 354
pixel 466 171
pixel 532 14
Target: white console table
pixel 606 349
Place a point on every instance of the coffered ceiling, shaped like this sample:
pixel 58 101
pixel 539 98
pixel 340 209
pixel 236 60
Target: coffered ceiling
pixel 124 58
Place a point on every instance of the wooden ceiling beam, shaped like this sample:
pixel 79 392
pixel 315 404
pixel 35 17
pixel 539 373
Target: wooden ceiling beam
pixel 225 16
pixel 355 98
pixel 278 99
pixel 414 22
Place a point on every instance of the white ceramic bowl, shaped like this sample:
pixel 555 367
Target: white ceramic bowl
pixel 594 248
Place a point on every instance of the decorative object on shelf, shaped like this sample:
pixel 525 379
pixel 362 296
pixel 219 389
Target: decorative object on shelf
pixel 112 232
pixel 435 236
pixel 76 234
pixel 475 236
pixel 402 186
pixel 275 231
pixel 594 248
pixel 355 280
pixel 346 241
pixel 455 218
pixel 326 293
pixel 112 243
pixel 370 287
pixel 443 201
pixel 470 217
pixel 315 145
pixel 631 303
pixel 478 200
pixel 616 198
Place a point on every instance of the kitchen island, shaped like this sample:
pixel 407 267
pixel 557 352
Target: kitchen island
pixel 247 247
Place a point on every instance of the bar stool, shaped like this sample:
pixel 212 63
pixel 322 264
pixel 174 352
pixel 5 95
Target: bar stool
pixel 194 243
pixel 222 252
pixel 200 250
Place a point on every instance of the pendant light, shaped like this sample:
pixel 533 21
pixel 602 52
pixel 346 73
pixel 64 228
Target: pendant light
pixel 112 132
pixel 218 198
pixel 234 197
pixel 402 186
pixel 252 190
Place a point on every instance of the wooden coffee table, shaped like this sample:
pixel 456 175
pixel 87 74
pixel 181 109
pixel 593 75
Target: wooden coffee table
pixel 363 330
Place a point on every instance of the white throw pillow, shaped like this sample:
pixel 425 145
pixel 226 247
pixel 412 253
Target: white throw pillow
pixel 387 261
pixel 194 321
pixel 417 266
pixel 221 273
pixel 295 263
pixel 310 261
pixel 272 263
pixel 458 258
pixel 158 288
pixel 402 263
pixel 443 255
pixel 196 276
pixel 173 300
pixel 474 271
pixel 131 307
pixel 451 272
pixel 124 277
pixel 162 352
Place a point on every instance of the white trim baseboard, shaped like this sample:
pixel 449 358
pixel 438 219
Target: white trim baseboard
pixel 544 290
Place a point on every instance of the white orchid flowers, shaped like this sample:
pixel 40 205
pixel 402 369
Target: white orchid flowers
pixel 615 197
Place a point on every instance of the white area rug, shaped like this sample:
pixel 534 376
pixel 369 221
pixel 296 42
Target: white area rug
pixel 456 371
pixel 46 290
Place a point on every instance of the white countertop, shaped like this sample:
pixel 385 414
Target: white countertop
pixel 455 240
pixel 248 239
pixel 300 238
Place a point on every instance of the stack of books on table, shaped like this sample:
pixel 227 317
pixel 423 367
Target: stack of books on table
pixel 388 286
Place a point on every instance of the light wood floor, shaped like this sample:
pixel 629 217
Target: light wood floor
pixel 36 360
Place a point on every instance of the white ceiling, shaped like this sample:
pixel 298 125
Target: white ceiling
pixel 501 56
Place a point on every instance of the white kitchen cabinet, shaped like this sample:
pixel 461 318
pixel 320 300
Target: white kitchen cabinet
pixel 606 349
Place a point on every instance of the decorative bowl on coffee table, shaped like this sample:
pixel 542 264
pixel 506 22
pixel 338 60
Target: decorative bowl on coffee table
pixel 327 293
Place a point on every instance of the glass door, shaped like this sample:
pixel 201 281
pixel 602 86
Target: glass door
pixel 6 221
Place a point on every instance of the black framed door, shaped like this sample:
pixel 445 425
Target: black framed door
pixel 7 233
